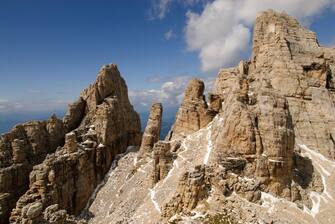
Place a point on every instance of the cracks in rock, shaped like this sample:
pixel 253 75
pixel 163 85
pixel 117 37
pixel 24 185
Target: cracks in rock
pixel 289 48
pixel 329 79
pixel 333 141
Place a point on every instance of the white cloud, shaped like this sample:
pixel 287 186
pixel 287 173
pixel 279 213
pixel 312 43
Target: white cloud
pixel 170 93
pixel 170 34
pixel 159 8
pixel 222 31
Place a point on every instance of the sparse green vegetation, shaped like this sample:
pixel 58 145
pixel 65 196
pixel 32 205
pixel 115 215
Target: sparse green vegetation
pixel 218 219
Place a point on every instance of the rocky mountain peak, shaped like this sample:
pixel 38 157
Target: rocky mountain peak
pixel 193 113
pixel 44 165
pixel 195 89
pixel 278 29
pixel 152 131
pixel 253 150
pixel 261 150
pixel 109 83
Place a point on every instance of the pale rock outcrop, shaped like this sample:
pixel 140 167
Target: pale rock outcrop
pixel 70 142
pixel 288 58
pixel 152 131
pixel 163 159
pixel 193 113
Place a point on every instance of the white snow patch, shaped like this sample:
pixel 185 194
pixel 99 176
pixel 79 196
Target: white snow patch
pixel 141 170
pixel 135 160
pixel 101 145
pixel 246 179
pixel 153 199
pixel 269 201
pixel 275 161
pixel 323 166
pixel 316 154
pixel 196 215
pixel 175 163
pixel 315 197
pixel 209 146
pixel 168 175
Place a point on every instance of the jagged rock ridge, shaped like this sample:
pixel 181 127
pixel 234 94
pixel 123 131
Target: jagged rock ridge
pixel 99 125
pixel 260 151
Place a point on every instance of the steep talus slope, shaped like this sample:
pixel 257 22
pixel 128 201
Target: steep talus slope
pixel 100 125
pixel 261 150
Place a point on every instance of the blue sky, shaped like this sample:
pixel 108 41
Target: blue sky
pixel 51 50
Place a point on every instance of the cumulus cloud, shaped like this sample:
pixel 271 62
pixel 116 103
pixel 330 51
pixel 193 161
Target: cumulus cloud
pixel 222 31
pixel 170 93
pixel 170 34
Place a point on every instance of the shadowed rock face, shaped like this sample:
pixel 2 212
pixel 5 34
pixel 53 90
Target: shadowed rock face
pixel 193 113
pixel 152 131
pixel 102 124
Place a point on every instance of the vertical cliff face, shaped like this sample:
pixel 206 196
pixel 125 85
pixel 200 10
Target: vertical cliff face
pixel 288 58
pixel 100 124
